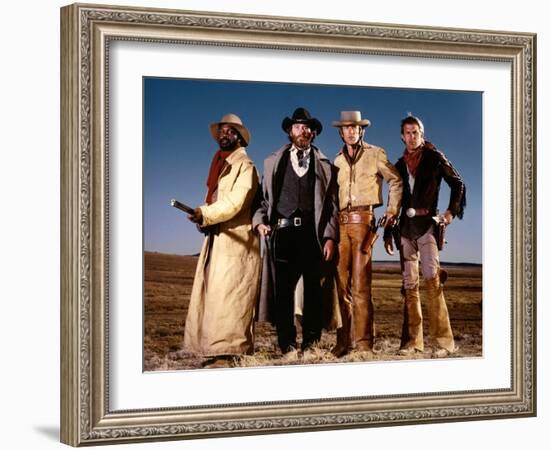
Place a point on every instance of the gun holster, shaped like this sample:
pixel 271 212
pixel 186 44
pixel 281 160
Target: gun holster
pixel 439 230
pixel 369 241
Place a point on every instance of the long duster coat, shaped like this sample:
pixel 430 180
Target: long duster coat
pixel 326 227
pixel 220 320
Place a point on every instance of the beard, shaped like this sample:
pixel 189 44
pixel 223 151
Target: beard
pixel 301 141
pixel 228 144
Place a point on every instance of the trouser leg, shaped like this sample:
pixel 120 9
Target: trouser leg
pixel 405 326
pixel 284 311
pixel 344 336
pixel 413 311
pixel 310 262
pixel 285 282
pixel 363 309
pixel 412 335
pixel 438 315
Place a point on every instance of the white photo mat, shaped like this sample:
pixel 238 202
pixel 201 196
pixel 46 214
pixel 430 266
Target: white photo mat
pixel 130 388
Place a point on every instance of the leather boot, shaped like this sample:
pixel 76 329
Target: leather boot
pixel 412 326
pixel 438 315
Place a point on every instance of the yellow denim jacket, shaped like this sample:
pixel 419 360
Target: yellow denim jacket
pixel 360 184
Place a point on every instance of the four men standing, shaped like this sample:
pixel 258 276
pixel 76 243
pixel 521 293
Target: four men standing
pixel 311 213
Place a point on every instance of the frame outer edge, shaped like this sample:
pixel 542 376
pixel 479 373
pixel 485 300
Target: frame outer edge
pixel 532 232
pixel 83 403
pixel 70 298
pixel 534 218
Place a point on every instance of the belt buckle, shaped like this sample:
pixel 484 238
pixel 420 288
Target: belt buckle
pixel 297 221
pixel 344 218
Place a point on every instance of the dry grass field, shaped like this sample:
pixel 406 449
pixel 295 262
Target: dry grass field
pixel 168 282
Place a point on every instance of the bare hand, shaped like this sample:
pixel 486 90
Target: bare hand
pixel 389 219
pixel 263 230
pixel 448 216
pixel 328 250
pixel 388 246
pixel 196 217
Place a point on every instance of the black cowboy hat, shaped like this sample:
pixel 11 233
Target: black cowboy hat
pixel 302 115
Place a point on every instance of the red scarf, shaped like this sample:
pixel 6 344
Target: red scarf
pixel 215 169
pixel 413 158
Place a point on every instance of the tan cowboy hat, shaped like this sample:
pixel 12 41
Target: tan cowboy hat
pixel 351 118
pixel 236 122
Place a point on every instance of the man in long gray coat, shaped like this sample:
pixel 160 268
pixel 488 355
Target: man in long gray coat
pixel 298 215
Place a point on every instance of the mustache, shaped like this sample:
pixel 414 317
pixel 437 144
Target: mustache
pixel 302 139
pixel 227 139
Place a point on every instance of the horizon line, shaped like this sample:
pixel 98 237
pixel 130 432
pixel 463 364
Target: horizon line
pixel 195 255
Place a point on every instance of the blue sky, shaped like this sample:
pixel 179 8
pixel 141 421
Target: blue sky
pixel 178 147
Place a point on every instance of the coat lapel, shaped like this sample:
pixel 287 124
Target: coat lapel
pixel 322 180
pixel 234 158
pixel 271 167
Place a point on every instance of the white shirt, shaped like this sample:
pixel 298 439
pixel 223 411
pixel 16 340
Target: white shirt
pixel 411 179
pixel 302 167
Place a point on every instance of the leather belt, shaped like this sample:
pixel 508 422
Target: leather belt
pixel 355 217
pixel 418 212
pixel 292 222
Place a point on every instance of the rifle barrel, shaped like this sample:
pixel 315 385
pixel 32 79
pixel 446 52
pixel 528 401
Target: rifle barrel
pixel 182 206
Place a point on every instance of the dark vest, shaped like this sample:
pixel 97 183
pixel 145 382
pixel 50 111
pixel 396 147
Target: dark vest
pixel 296 197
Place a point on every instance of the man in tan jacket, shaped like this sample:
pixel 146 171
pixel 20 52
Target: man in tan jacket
pixel 361 169
pixel 220 321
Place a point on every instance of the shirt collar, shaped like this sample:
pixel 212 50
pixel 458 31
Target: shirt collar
pixel 351 160
pixel 294 149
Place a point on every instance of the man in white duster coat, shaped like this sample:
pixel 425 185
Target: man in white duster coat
pixel 220 320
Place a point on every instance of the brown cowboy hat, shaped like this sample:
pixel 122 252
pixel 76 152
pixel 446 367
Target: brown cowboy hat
pixel 302 115
pixel 351 118
pixel 236 122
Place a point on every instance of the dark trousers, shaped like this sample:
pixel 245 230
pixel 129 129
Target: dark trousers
pixel 297 254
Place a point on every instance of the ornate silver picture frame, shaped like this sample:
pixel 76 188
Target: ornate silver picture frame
pixel 88 33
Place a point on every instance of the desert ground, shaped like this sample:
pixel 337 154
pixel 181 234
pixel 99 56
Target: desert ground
pixel 167 288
